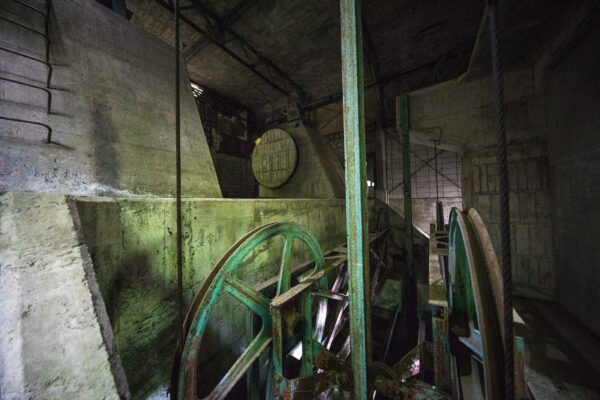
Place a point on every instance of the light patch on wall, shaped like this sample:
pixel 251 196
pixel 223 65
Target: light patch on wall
pixel 197 90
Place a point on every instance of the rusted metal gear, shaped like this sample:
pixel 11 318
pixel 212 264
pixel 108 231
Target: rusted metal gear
pixel 272 338
pixel 476 303
pixel 474 317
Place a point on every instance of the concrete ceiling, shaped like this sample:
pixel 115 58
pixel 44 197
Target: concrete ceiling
pixel 413 43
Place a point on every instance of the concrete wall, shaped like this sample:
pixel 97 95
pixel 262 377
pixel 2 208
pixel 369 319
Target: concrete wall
pixel 52 341
pixel 318 174
pixel 530 212
pixel 461 114
pixel 132 244
pixel 112 109
pixel 573 111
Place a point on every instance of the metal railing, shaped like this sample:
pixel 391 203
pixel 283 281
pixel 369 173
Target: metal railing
pixel 49 103
pixel 46 63
pixel 48 138
pixel 45 35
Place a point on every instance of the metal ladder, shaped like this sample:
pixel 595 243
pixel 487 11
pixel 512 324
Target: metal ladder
pixel 46 61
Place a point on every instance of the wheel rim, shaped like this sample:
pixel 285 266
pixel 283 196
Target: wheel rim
pixel 223 279
pixel 472 274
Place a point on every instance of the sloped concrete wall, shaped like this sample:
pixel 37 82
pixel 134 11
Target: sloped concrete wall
pixel 113 108
pixel 52 344
pixel 133 246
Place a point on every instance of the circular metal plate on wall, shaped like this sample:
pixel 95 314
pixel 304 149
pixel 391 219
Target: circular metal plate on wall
pixel 274 158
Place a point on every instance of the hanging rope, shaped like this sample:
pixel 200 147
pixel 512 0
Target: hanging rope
pixel 509 373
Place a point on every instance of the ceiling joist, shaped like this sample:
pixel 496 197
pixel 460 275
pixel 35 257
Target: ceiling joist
pixel 252 59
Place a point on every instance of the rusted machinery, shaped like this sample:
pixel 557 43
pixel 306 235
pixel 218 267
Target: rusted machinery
pixel 297 346
pixel 467 309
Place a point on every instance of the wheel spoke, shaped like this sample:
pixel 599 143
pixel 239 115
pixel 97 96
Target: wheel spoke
pixel 239 368
pixel 256 301
pixel 223 279
pixel 284 270
pixel 473 342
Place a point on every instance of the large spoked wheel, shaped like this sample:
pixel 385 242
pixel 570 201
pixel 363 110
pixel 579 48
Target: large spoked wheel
pixel 475 299
pixel 286 319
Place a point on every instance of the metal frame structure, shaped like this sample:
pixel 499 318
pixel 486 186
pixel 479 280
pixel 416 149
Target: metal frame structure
pixel 286 320
pixel 468 279
pixel 286 81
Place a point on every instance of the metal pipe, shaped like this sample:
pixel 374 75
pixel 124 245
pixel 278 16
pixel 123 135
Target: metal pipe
pixel 225 49
pixel 509 371
pixel 48 138
pixel 49 103
pixel 405 113
pixel 178 176
pixel 356 193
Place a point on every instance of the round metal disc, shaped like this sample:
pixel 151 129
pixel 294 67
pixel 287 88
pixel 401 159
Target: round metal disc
pixel 274 158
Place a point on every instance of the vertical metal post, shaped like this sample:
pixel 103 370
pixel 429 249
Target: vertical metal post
pixel 509 371
pixel 356 193
pixel 437 191
pixel 405 110
pixel 178 175
pixel 381 186
pixel 441 348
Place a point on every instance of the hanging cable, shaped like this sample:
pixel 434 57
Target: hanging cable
pixel 178 178
pixel 509 373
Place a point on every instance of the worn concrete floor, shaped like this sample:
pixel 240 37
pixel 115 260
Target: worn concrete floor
pixel 562 357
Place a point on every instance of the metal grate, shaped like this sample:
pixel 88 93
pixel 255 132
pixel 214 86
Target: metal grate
pixel 423 182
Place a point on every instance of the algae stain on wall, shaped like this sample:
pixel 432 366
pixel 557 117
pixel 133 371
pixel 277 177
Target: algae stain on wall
pixel 132 244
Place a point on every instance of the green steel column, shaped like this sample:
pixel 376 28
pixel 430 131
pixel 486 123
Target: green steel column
pixel 356 193
pixel 405 114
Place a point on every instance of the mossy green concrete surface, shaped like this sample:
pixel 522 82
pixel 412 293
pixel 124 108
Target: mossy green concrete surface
pixel 133 246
